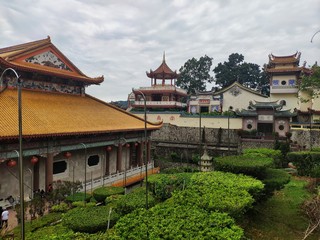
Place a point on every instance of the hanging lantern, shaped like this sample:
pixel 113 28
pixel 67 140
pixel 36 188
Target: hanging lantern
pixel 11 163
pixel 109 148
pixel 34 160
pixel 67 155
pixel 127 145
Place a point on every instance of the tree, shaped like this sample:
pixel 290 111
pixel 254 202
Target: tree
pixel 194 74
pixel 310 83
pixel 236 69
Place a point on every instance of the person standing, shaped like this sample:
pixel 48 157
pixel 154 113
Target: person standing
pixel 5 217
pixel 1 210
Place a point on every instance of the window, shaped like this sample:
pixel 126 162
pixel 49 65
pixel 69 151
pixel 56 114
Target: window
pixel 93 160
pixel 59 167
pixel 292 82
pixel 275 82
pixel 283 83
pixel 281 127
pixel 249 126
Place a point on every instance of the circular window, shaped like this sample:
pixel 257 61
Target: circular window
pixel 249 126
pixel 281 127
pixel 283 83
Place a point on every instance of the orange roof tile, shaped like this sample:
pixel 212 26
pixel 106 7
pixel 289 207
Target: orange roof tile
pixel 54 114
pixel 14 57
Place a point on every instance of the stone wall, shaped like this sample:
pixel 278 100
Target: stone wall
pixel 306 139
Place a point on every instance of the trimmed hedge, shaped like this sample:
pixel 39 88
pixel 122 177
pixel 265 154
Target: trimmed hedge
pixel 100 194
pixel 136 199
pixel 167 221
pixel 89 219
pixel 79 196
pixel 246 164
pixel 276 155
pixel 218 191
pixel 275 180
pixel 306 162
pixel 162 185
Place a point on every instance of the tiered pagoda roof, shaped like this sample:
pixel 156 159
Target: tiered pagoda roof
pixel 291 59
pixel 163 72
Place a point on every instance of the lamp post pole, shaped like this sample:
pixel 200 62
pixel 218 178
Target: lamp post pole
pixel 85 172
pixel 145 142
pixel 21 174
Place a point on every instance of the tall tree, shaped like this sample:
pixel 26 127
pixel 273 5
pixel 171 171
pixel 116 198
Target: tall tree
pixel 236 69
pixel 310 83
pixel 194 74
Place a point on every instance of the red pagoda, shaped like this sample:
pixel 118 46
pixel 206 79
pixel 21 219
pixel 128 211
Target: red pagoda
pixel 163 93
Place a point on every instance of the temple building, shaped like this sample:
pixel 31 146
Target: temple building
pixel 163 92
pixel 65 133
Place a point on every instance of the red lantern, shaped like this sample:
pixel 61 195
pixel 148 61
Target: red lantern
pixel 109 148
pixel 34 160
pixel 67 155
pixel 11 163
pixel 127 145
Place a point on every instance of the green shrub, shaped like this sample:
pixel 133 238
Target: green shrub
pixel 248 165
pixel 79 196
pixel 89 219
pixel 166 221
pixel 162 185
pixel 136 199
pixel 100 194
pixel 275 180
pixel 218 191
pixel 305 161
pixel 276 155
pixel 61 207
pixel 174 157
pixel 83 204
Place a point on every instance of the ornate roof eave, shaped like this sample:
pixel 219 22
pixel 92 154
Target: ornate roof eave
pixel 285 113
pixel 49 71
pixel 294 58
pixel 246 113
pixel 240 86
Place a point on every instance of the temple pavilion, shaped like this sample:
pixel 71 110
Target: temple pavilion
pixel 163 92
pixel 66 134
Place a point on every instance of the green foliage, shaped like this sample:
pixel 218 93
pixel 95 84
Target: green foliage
pixel 311 83
pixel 100 194
pixel 218 191
pixel 61 207
pixel 136 199
pixel 167 221
pixel 79 196
pixel 245 164
pixel 175 157
pixel 83 204
pixel 61 189
pixel 306 162
pixel 276 155
pixel 56 232
pixel 275 179
pixel 162 185
pixel 194 74
pixel 284 147
pixel 180 169
pixel 248 74
pixel 89 219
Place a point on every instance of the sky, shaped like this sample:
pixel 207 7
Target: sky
pixel 122 39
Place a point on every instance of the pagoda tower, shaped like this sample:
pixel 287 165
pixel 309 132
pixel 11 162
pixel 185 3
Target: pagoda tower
pixel 163 92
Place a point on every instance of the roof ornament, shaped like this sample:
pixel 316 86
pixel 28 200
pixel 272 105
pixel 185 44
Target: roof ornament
pixel 164 56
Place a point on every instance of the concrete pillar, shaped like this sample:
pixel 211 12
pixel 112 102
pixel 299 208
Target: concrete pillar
pixel 49 170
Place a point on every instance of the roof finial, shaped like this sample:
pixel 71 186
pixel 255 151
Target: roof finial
pixel 164 56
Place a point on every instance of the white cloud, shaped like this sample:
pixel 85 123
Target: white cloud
pixel 123 39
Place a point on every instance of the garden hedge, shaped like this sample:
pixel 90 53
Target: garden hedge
pixel 275 180
pixel 167 221
pixel 276 155
pixel 100 194
pixel 306 162
pixel 246 164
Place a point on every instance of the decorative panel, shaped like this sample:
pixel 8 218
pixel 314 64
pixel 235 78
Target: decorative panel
pixel 48 59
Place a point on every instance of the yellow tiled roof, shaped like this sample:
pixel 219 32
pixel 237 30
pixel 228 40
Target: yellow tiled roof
pixel 55 114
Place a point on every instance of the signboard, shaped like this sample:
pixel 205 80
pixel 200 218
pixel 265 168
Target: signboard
pixel 204 101
pixel 265 118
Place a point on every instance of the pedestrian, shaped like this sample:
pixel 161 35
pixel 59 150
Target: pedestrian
pixel 5 217
pixel 1 210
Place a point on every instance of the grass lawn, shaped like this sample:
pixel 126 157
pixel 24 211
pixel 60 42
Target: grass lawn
pixel 280 217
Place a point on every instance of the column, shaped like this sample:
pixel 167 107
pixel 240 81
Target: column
pixel 49 170
pixel 119 158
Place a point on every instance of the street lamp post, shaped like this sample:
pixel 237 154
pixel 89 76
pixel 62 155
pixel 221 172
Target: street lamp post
pixel 85 172
pixel 21 174
pixel 145 140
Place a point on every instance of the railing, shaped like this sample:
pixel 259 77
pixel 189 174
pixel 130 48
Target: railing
pixel 110 179
pixel 160 103
pixel 305 126
pixel 163 87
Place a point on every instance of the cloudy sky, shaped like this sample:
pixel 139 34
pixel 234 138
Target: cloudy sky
pixel 122 39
